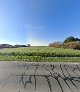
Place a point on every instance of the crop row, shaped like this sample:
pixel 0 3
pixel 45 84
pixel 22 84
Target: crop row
pixel 43 54
pixel 39 54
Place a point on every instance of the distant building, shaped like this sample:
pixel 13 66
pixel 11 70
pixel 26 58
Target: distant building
pixel 5 46
pixel 28 45
pixel 20 46
pixel 11 46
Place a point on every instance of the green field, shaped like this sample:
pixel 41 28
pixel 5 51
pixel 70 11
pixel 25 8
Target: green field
pixel 40 54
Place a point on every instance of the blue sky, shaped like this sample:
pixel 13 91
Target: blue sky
pixel 38 22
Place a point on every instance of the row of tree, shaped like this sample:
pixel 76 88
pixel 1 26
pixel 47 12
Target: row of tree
pixel 13 46
pixel 70 42
pixel 71 39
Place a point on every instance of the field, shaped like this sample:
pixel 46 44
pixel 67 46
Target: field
pixel 40 54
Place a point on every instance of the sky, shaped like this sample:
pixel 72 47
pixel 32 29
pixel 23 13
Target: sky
pixel 38 22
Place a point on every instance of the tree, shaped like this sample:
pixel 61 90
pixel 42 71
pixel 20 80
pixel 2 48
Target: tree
pixel 77 39
pixel 69 39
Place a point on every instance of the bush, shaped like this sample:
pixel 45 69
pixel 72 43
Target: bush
pixel 72 45
pixel 56 44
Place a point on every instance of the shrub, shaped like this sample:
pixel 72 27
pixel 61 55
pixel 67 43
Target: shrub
pixel 56 44
pixel 72 45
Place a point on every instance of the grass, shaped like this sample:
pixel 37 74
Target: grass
pixel 40 54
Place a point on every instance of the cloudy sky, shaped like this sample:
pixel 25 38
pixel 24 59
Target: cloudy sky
pixel 38 22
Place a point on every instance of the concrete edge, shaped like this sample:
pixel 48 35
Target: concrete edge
pixel 40 62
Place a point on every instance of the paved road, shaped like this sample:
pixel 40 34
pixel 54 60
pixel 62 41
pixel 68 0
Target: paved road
pixel 39 77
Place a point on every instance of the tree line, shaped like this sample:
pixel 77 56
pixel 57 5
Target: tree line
pixel 70 42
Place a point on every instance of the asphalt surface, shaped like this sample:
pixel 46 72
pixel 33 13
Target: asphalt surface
pixel 39 77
